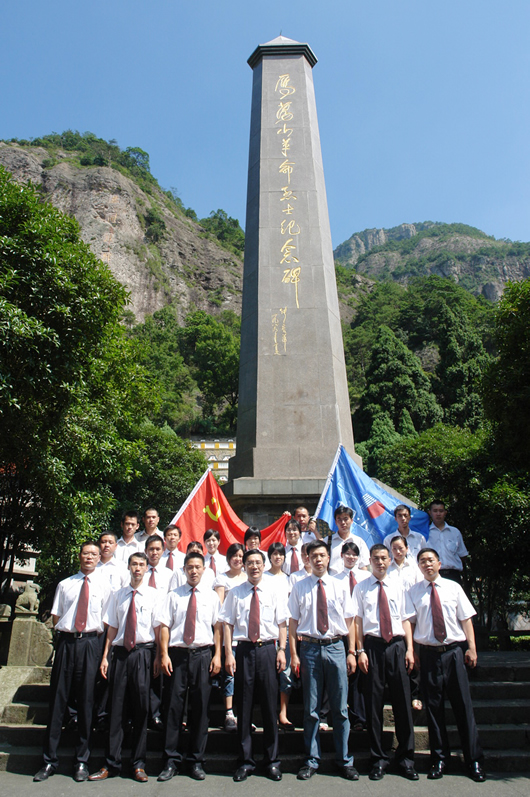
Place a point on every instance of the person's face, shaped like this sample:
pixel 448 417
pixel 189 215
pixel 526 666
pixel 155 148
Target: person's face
pixel 344 522
pixel 252 542
pixel 319 559
pixel 154 552
pixel 302 516
pixel 212 544
pixel 129 527
pixel 429 565
pixel 438 513
pixel 236 561
pixel 350 559
pixel 88 559
pixel 172 539
pixel 380 562
pixel 293 536
pixel 151 519
pixel 137 568
pixel 403 518
pixel 305 558
pixel 399 552
pixel 107 546
pixel 194 570
pixel 254 566
pixel 277 559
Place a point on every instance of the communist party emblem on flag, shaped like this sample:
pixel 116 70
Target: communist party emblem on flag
pixel 207 507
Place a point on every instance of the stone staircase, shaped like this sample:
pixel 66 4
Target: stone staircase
pixel 501 696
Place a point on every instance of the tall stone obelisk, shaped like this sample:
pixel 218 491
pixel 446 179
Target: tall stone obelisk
pixel 294 406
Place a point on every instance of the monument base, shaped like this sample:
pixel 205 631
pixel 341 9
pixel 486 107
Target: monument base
pixel 259 502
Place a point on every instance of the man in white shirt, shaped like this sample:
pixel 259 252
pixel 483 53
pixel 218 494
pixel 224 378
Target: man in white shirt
pixel 344 518
pixel 189 627
pixel 415 540
pixel 385 654
pixel 130 618
pixel 255 616
pixel 322 612
pixel 293 548
pixel 159 578
pixel 151 519
pixel 440 614
pixel 112 569
pixel 128 543
pixel 78 607
pixel 448 541
pixel 172 557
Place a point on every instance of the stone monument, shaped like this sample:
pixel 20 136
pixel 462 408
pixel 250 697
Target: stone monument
pixel 294 406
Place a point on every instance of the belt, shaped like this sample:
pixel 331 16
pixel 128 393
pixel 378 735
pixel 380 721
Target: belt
pixel 142 645
pixel 79 634
pixel 191 651
pixel 320 641
pixel 380 642
pixel 442 648
pixel 260 643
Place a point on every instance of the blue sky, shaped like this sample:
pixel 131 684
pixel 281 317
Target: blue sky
pixel 424 107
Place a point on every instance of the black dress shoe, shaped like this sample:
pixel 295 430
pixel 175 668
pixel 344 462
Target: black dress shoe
pixel 436 771
pixel 44 773
pixel 377 772
pixel 409 773
pixel 168 773
pixel 156 724
pixel 306 772
pixel 274 772
pixel 242 774
pixel 80 772
pixel 349 773
pixel 476 772
pixel 197 772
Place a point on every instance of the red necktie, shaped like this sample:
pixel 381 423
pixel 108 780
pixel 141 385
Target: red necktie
pixel 82 607
pixel 169 562
pixel 129 635
pixel 253 617
pixel 212 564
pixel 152 582
pixel 353 582
pixel 295 565
pixel 191 615
pixel 438 622
pixel 385 623
pixel 322 609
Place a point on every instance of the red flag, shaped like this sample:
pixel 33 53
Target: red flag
pixel 207 507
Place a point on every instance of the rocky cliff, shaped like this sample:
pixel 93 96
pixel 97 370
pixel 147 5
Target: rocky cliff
pixel 183 266
pixel 475 260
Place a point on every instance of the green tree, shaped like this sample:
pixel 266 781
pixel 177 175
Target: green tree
pixel 225 229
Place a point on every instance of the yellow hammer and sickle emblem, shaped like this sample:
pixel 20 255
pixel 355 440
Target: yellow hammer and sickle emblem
pixel 209 511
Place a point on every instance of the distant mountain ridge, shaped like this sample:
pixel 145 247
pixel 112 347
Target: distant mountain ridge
pixel 478 262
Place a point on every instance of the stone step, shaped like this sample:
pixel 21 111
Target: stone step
pixel 492 690
pixel 27 760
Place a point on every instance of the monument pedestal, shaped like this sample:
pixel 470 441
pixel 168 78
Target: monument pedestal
pixel 259 502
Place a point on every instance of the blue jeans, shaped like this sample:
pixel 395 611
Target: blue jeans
pixel 325 665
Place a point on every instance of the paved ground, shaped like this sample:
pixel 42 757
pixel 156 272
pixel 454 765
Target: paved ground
pixel 500 785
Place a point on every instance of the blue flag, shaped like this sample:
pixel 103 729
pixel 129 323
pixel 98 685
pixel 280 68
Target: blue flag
pixel 372 506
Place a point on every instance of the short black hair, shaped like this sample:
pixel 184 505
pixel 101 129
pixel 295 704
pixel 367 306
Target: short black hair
pixel 379 547
pixel 129 513
pixel 349 546
pixel 211 533
pixel 342 510
pixel 400 507
pixel 233 549
pixel 107 534
pixel 193 555
pixel 275 547
pixel 428 550
pixel 137 555
pixel 252 551
pixel 314 544
pixel 399 537
pixel 252 531
pixel 152 539
pixel 86 543
pixel 292 523
pixel 172 527
pixel 437 501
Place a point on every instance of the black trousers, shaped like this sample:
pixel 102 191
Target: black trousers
pixel 444 674
pixel 191 677
pixel 256 678
pixel 74 668
pixel 387 666
pixel 129 695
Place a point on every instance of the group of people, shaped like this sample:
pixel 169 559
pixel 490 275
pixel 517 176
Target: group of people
pixel 144 630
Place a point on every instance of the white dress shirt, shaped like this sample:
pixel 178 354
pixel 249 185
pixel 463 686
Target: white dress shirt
pixel 178 559
pixel 335 563
pixel 116 573
pixel 273 609
pixel 366 600
pixel 359 575
pixel 125 549
pixel 180 578
pixel 415 542
pixel 221 565
pixel 449 544
pixel 146 601
pixel 227 582
pixel 303 606
pixel 67 597
pixel 280 584
pixel 301 574
pixel 286 567
pixel 407 575
pixel 455 608
pixel 163 577
pixel 173 611
pixel 142 536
